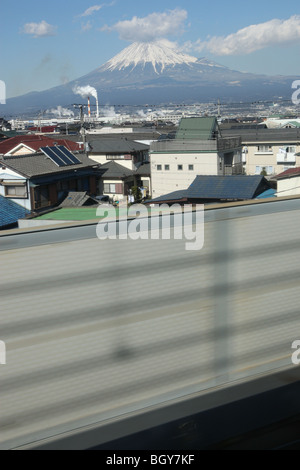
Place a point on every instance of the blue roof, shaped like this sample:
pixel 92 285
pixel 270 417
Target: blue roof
pixel 10 212
pixel 225 187
pixel 269 193
pixel 239 187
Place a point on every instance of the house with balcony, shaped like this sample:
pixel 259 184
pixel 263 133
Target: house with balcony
pixel 268 151
pixel 125 152
pixel 198 149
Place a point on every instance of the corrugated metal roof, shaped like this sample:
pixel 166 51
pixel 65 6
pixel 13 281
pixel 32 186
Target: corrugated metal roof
pixel 202 128
pixel 10 212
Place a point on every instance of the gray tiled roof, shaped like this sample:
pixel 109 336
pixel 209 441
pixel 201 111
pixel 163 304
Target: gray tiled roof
pixel 144 170
pixel 39 164
pixel 107 145
pixel 114 170
pixel 264 135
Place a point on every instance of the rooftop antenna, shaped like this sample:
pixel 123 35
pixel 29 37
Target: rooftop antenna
pixel 219 108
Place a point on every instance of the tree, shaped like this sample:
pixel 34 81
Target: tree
pixel 135 191
pixel 264 172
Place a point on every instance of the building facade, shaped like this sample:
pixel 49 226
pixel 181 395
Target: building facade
pixel 198 149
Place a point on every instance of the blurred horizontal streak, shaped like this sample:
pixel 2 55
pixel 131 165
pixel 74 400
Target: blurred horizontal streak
pixel 106 274
pixel 119 308
pixel 97 329
pixel 133 353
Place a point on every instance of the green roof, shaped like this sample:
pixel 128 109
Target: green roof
pixel 202 128
pixel 84 213
pixel 74 213
pixel 293 123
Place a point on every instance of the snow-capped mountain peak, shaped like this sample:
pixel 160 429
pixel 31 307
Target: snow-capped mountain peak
pixel 160 54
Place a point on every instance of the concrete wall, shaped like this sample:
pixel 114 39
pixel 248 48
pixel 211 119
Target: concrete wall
pixel 288 186
pixel 166 181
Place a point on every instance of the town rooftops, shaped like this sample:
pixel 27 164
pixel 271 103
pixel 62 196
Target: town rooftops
pixel 280 135
pixel 119 145
pixel 218 188
pixel 34 143
pixel 39 164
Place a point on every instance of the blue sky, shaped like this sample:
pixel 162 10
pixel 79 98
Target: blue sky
pixel 47 43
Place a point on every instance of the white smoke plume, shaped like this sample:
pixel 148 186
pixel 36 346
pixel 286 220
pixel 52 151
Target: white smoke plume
pixel 109 111
pixel 85 91
pixel 60 112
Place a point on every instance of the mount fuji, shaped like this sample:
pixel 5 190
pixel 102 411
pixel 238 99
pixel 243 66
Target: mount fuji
pixel 158 73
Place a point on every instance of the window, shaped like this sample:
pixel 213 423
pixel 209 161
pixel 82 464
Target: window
pixel 265 148
pixel 257 170
pixel 16 191
pixel 113 188
pixel 159 167
pixel 191 167
pixel 290 149
pixel 180 167
pixel 167 167
pixel 269 170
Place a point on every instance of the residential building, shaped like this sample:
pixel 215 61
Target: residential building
pixel 128 153
pixel 37 182
pixel 116 181
pixel 270 151
pixel 198 149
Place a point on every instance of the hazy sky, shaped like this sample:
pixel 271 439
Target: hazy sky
pixel 47 43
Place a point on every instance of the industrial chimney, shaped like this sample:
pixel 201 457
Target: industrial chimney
pixel 89 107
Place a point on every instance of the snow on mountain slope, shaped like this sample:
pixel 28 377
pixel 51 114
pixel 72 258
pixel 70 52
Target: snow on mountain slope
pixel 159 53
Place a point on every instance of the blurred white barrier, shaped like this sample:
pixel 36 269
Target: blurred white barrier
pixel 98 329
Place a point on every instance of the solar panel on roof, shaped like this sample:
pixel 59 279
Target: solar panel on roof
pixel 48 151
pixel 60 156
pixel 69 155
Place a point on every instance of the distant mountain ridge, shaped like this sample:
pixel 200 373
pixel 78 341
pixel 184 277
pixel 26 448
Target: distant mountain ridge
pixel 157 73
